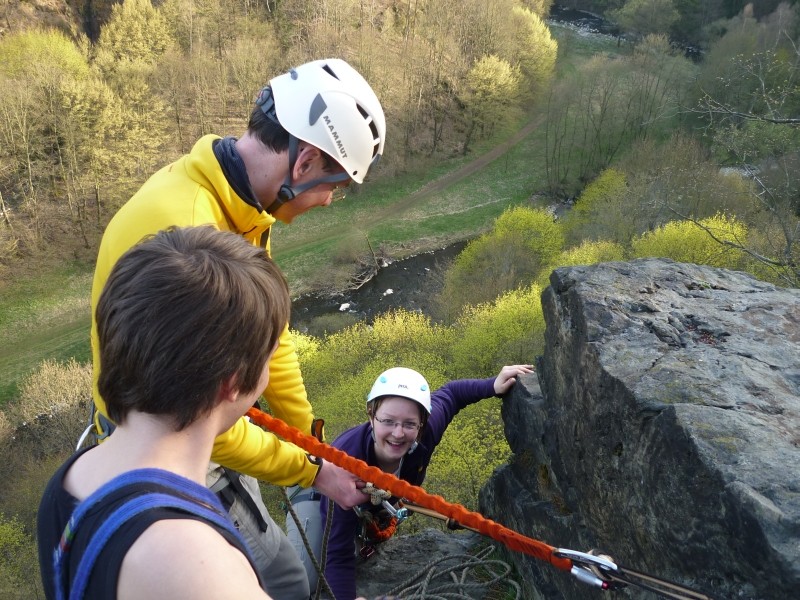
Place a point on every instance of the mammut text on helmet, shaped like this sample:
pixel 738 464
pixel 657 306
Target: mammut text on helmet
pixel 335 136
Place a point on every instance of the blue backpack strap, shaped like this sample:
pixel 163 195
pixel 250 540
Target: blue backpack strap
pixel 182 494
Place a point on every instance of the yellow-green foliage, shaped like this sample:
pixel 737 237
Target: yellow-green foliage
pixel 493 86
pixel 55 387
pixel 39 430
pixel 511 255
pixel 536 49
pixel 609 185
pixel 687 241
pixel 305 345
pixel 473 446
pixel 536 228
pixel 507 331
pixel 19 576
pixel 342 369
pixel 41 52
pixel 136 32
pixel 598 206
pixel 588 253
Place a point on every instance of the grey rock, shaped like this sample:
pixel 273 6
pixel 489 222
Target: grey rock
pixel 411 557
pixel 662 427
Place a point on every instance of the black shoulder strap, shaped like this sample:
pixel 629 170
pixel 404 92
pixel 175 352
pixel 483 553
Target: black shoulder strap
pixel 179 493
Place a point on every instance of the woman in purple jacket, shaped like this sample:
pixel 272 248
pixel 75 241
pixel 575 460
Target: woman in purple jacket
pixel 406 423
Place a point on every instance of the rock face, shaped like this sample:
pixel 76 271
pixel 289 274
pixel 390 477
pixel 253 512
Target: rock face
pixel 405 560
pixel 662 427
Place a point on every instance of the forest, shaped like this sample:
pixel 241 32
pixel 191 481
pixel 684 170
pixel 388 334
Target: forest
pixel 618 147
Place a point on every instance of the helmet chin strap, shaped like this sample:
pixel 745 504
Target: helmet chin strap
pixel 288 192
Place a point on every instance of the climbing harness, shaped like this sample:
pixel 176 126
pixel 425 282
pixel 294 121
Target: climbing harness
pixel 229 488
pixel 377 527
pixel 595 570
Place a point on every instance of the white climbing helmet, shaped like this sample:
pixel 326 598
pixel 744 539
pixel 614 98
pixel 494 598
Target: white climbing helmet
pixel 327 103
pixel 403 382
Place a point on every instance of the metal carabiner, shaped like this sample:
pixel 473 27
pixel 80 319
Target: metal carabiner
pixel 590 568
pixel 401 514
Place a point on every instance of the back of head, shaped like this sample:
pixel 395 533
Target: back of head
pixel 182 311
pixel 328 104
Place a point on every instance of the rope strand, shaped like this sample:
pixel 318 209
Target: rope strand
pixel 403 489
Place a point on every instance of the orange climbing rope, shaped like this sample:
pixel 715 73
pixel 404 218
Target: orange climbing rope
pixel 403 489
pixel 381 535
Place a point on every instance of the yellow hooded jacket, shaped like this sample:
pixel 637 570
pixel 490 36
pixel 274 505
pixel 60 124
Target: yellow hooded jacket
pixel 194 191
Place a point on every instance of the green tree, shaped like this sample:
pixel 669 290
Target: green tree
pixel 136 32
pixel 509 330
pixel 491 95
pixel 539 7
pixel 599 209
pixel 749 106
pixel 713 241
pixel 473 446
pixel 644 17
pixel 587 253
pixel 535 49
pixel 511 255
pixel 58 120
pixel 19 579
pixel 596 113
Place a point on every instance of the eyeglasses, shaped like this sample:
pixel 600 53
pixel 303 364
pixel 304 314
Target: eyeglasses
pixel 390 424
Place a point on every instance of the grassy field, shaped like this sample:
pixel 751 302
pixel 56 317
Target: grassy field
pixel 46 316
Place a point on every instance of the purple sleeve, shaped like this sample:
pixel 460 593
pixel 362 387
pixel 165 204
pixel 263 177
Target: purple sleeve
pixel 449 399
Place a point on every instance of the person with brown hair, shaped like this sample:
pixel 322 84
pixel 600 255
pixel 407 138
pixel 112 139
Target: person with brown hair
pixel 132 517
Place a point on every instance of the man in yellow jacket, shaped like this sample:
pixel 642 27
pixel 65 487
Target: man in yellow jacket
pixel 313 130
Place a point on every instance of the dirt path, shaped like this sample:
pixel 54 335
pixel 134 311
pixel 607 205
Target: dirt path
pixel 426 191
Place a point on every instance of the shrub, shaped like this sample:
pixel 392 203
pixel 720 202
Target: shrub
pixel 511 255
pixel 472 447
pixel 588 253
pixel 57 396
pixel 507 331
pixel 598 209
pixel 306 346
pixel 689 241
pixel 19 577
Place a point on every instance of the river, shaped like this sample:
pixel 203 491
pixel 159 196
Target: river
pixel 410 284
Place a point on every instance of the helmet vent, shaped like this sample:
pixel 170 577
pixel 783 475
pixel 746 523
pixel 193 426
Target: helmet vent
pixel 329 71
pixel 375 135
